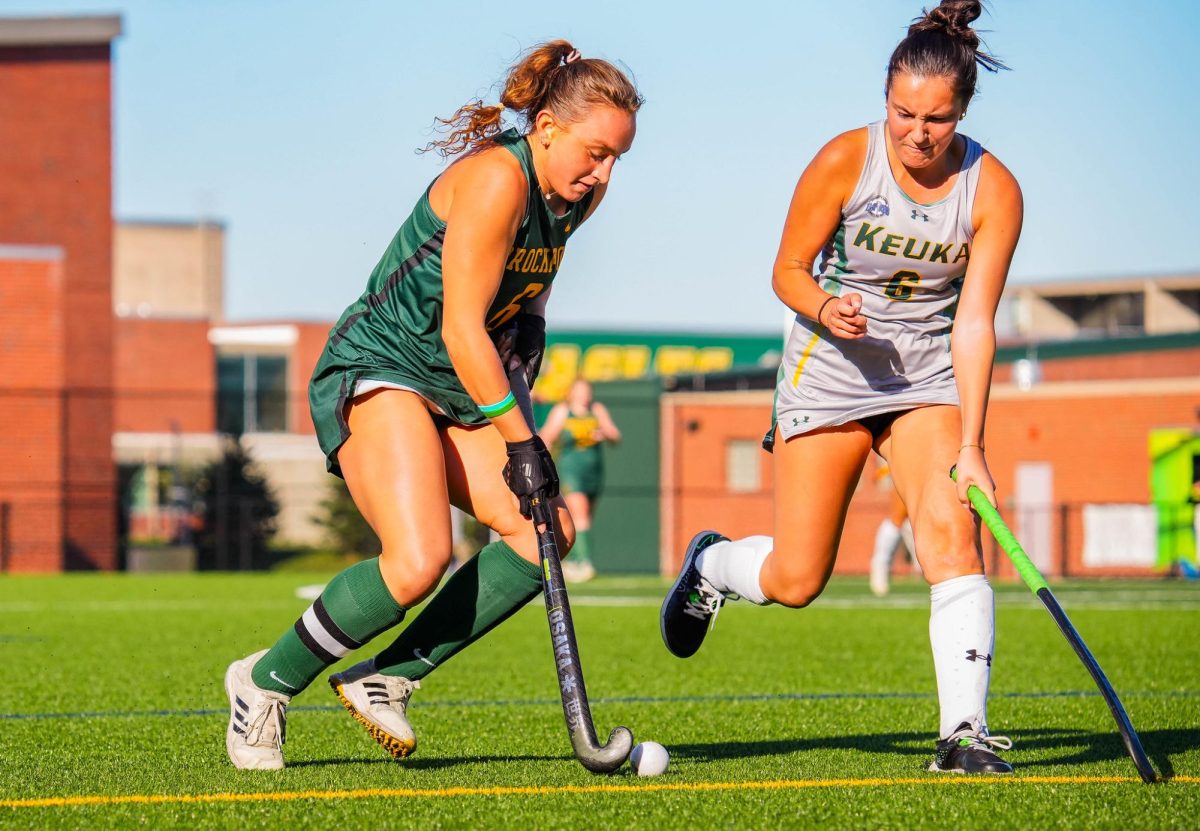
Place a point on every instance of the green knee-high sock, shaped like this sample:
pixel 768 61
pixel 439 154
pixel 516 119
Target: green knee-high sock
pixel 581 551
pixel 481 595
pixel 355 607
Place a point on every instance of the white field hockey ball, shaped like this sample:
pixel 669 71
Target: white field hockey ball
pixel 649 759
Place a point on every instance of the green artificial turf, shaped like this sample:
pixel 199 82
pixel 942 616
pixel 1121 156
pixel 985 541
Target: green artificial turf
pixel 112 687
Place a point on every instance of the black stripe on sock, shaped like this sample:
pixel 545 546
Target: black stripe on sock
pixel 312 646
pixel 332 628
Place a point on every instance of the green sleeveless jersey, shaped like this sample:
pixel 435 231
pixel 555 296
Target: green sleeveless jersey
pixel 393 332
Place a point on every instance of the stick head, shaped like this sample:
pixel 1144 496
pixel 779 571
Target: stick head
pixel 607 757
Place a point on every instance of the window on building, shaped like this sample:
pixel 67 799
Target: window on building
pixel 251 394
pixel 1189 298
pixel 742 473
pixel 1105 314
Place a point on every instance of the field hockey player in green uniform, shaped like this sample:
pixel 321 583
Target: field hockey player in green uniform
pixel 580 426
pixel 413 406
pixel 891 351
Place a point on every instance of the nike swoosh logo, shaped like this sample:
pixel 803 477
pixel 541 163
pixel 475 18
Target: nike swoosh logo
pixel 422 658
pixel 275 677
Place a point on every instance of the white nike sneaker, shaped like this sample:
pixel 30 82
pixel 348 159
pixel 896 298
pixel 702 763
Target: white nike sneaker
pixel 257 719
pixel 378 702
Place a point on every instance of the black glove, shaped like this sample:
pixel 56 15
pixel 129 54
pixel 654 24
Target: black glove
pixel 530 344
pixel 530 471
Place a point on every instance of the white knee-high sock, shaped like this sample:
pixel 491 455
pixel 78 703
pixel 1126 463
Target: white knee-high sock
pixel 732 567
pixel 886 540
pixel 962 631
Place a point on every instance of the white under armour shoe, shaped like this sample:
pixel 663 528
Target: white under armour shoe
pixel 257 719
pixel 378 702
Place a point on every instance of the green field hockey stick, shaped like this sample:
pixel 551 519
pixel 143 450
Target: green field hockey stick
pixel 1037 584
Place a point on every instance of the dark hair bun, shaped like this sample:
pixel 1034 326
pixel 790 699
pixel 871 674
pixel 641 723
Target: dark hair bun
pixel 951 17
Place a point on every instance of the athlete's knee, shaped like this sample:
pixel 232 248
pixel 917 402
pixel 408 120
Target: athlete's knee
pixel 793 587
pixel 792 576
pixel 945 525
pixel 947 543
pixel 413 571
pixel 505 520
pixel 795 595
pixel 508 522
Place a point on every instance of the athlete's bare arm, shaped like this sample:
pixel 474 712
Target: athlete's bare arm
pixel 997 217
pixel 608 427
pixel 486 195
pixel 555 421
pixel 823 190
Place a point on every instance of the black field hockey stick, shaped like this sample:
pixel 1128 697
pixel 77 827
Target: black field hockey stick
pixel 591 754
pixel 1037 584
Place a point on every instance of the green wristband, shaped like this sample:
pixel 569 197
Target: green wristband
pixel 500 407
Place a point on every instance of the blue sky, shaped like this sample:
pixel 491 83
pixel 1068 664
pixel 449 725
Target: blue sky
pixel 295 124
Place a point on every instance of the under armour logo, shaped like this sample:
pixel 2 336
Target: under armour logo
pixel 972 655
pixel 796 422
pixel 919 215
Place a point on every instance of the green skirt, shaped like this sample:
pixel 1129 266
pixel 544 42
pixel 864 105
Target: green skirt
pixel 340 369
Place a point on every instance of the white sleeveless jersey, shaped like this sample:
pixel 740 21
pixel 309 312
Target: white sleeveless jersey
pixel 907 260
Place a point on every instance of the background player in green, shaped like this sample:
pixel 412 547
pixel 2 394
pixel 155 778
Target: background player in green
pixel 891 351
pixel 580 425
pixel 413 406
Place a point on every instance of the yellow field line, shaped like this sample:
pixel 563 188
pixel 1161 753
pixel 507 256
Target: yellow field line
pixel 649 787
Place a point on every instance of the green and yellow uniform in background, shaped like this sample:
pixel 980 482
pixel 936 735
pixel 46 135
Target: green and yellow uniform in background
pixel 393 332
pixel 580 459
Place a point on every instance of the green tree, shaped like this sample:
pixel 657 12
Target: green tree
pixel 346 532
pixel 239 512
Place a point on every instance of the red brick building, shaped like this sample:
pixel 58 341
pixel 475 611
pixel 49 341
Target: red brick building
pixel 57 498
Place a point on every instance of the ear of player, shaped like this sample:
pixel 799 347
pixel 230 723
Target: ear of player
pixel 1037 584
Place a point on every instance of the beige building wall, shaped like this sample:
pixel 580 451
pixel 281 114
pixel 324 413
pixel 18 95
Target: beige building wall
pixel 169 269
pixel 1170 304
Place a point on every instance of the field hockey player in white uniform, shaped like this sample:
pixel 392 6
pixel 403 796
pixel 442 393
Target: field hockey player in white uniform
pixel 891 351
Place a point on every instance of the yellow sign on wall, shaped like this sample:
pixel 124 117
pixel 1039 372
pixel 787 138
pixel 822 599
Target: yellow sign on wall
pixel 564 362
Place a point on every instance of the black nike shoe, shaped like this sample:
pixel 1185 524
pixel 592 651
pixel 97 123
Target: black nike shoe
pixel 968 751
pixel 691 603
